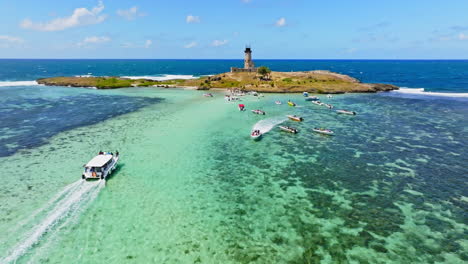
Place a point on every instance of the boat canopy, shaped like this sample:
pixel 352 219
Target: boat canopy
pixel 99 161
pixel 241 105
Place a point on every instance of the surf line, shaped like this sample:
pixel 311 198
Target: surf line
pixel 68 206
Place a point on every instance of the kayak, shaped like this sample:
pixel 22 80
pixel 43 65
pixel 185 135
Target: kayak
pixel 256 135
pixel 258 112
pixel 289 129
pixel 346 112
pixel 291 103
pixel 295 118
pixel 323 131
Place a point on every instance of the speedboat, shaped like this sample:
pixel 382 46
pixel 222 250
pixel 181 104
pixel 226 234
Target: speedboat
pixel 241 107
pixel 346 112
pixel 323 131
pixel 208 95
pixel 295 118
pixel 291 103
pixel 258 112
pixel 256 134
pixel 317 102
pixel 328 105
pixel 100 166
pixel 312 98
pixel 289 129
pixel 305 94
pixel 278 102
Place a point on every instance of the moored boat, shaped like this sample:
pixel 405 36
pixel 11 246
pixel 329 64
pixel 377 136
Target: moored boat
pixel 278 102
pixel 312 98
pixel 258 112
pixel 329 106
pixel 305 94
pixel 256 134
pixel 323 131
pixel 208 95
pixel 289 129
pixel 346 112
pixel 291 103
pixel 295 118
pixel 329 96
pixel 101 166
pixel 241 107
pixel 317 102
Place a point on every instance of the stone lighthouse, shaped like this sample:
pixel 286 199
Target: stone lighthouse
pixel 249 66
pixel 248 63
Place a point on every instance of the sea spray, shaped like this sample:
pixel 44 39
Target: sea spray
pixel 422 92
pixel 266 125
pixel 65 209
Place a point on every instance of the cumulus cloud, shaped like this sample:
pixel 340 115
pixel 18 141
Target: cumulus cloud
pixel 129 14
pixel 281 22
pixel 191 45
pixel 94 40
pixel 192 19
pixel 218 43
pixel 80 17
pixel 148 43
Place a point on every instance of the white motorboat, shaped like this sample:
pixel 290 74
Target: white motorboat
pixel 312 98
pixel 289 129
pixel 278 102
pixel 329 96
pixel 256 134
pixel 346 112
pixel 208 95
pixel 295 118
pixel 258 112
pixel 329 106
pixel 101 166
pixel 317 102
pixel 323 131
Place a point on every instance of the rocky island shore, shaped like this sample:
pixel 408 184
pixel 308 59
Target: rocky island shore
pixel 273 82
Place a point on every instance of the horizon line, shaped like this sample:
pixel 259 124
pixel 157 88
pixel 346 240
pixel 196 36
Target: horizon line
pixel 260 59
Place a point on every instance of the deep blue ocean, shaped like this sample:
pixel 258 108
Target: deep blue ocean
pixel 432 75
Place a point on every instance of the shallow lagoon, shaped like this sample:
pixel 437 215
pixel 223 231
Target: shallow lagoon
pixel 192 186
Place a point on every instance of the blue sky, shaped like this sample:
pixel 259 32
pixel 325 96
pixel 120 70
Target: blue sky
pixel 198 29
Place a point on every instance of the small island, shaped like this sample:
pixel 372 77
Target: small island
pixel 249 78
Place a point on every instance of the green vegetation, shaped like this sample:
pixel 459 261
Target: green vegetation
pixel 112 82
pixel 264 71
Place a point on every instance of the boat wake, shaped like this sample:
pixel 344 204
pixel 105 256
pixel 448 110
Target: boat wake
pixel 421 91
pixel 60 210
pixel 17 83
pixel 266 125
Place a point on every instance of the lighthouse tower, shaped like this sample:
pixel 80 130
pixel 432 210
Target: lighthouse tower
pixel 248 63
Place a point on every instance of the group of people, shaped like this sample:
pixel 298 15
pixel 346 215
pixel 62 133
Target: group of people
pixel 256 132
pixel 109 153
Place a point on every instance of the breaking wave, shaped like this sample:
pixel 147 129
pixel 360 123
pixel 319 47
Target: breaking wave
pixel 17 83
pixel 421 91
pixel 163 77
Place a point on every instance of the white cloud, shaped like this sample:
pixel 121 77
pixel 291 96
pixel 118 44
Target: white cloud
pixel 80 17
pixel 192 19
pixel 129 14
pixel 281 22
pixel 217 43
pixel 11 39
pixel 462 36
pixel 148 43
pixel 94 40
pixel 191 45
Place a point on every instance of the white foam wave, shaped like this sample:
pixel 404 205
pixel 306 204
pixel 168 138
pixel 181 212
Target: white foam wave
pixel 163 77
pixel 69 206
pixel 17 83
pixel 421 91
pixel 266 125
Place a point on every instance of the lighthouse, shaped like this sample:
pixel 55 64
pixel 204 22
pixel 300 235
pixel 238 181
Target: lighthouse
pixel 249 66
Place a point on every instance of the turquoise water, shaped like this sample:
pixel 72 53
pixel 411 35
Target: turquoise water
pixel 193 187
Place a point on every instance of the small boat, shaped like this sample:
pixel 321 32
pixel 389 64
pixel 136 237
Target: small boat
pixel 323 131
pixel 291 103
pixel 346 112
pixel 258 112
pixel 305 94
pixel 208 95
pixel 289 129
pixel 329 96
pixel 241 107
pixel 256 134
pixel 278 102
pixel 295 118
pixel 312 98
pixel 329 106
pixel 100 166
pixel 317 102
